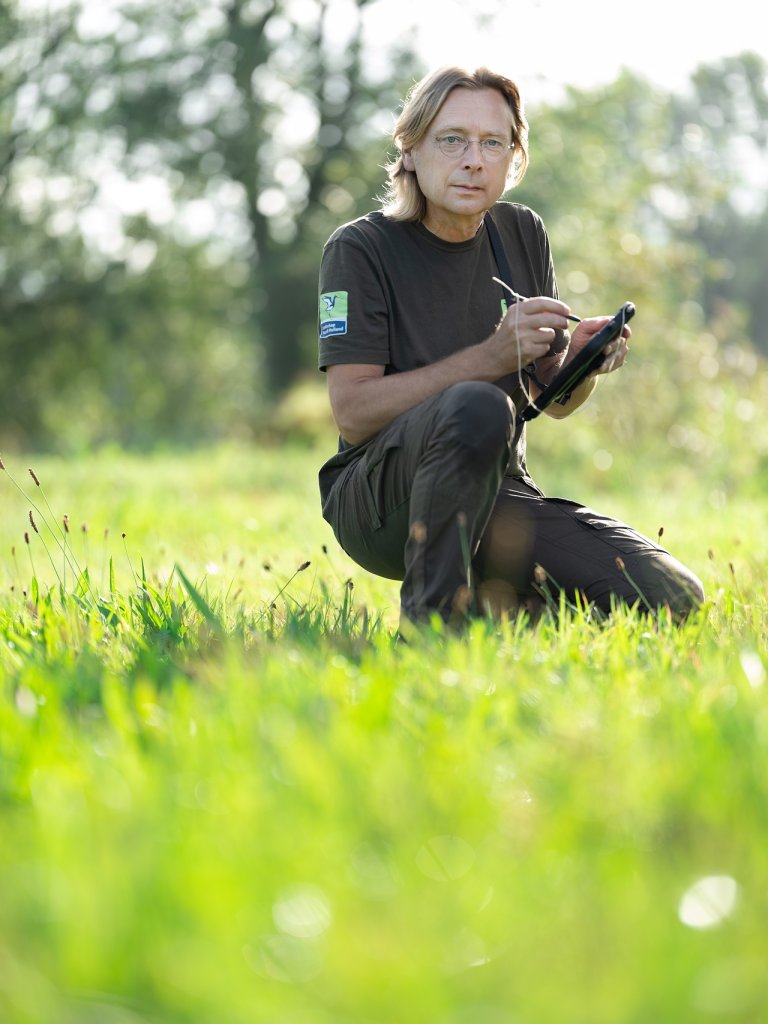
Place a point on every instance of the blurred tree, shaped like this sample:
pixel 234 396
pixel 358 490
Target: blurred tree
pixel 595 162
pixel 719 134
pixel 109 329
pixel 303 173
pixel 646 199
pixel 671 187
pixel 169 173
pixel 265 108
pixel 238 133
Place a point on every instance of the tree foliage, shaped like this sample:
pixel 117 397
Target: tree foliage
pixel 723 128
pixel 169 173
pixel 646 199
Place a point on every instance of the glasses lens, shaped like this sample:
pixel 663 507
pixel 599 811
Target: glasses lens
pixel 494 149
pixel 454 145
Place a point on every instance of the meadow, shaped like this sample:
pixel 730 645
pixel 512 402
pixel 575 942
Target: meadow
pixel 228 796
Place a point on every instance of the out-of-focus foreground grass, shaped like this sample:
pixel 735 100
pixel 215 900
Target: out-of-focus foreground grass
pixel 229 796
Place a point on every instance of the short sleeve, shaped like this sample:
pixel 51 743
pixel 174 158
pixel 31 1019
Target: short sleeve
pixel 353 313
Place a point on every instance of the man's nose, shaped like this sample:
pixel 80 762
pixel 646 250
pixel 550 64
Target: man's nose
pixel 470 157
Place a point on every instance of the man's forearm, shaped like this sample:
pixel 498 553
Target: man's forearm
pixel 577 398
pixel 365 406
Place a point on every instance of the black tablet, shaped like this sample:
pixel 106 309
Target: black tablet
pixel 589 359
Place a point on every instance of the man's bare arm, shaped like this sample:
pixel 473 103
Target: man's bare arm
pixel 364 400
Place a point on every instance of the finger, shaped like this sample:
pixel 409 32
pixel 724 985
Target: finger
pixel 614 361
pixel 542 338
pixel 539 327
pixel 533 319
pixel 544 304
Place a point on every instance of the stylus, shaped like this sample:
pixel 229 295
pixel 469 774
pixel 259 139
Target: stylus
pixel 521 298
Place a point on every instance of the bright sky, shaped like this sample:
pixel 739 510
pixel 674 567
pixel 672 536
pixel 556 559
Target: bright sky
pixel 544 44
pixel 541 44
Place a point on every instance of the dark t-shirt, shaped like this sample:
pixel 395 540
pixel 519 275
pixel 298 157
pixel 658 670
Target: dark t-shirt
pixel 395 295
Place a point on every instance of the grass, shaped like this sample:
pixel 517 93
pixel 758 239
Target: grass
pixel 227 795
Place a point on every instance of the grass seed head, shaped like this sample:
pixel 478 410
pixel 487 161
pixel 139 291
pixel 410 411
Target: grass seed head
pixel 34 477
pixel 418 532
pixel 461 599
pixel 620 565
pixel 539 574
pixel 32 522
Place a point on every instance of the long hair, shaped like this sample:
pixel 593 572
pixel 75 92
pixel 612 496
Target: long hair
pixel 402 198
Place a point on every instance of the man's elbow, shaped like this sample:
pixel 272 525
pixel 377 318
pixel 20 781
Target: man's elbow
pixel 350 428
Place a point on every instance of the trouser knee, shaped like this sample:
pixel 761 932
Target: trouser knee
pixel 666 583
pixel 478 418
pixel 683 592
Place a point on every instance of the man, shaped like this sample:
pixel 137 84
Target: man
pixel 429 363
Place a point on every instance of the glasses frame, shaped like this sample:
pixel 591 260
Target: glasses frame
pixel 488 154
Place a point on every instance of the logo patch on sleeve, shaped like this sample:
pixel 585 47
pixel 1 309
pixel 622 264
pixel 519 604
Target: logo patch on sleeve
pixel 333 313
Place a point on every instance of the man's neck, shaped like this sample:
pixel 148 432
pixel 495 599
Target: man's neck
pixel 453 229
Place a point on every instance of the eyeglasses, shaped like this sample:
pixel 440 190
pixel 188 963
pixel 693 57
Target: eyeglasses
pixel 457 145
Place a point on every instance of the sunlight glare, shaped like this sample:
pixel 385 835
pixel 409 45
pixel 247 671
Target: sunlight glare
pixel 708 902
pixel 302 911
pixel 753 668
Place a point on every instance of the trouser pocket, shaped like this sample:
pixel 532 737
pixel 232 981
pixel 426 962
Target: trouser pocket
pixel 361 510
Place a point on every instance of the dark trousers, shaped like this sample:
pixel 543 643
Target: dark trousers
pixel 427 502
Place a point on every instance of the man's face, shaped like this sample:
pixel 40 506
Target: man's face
pixel 460 188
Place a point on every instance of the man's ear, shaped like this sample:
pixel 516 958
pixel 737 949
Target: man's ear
pixel 408 160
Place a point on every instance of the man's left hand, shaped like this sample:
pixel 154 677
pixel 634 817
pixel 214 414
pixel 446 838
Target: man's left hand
pixel 615 353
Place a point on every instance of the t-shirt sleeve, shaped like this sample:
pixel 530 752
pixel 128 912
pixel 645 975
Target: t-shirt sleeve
pixel 353 314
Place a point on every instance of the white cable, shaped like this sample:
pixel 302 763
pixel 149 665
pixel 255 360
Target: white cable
pixel 518 299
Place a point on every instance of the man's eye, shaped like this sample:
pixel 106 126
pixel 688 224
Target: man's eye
pixel 453 140
pixel 493 143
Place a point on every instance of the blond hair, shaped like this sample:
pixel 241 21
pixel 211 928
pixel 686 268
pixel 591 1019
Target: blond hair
pixel 403 198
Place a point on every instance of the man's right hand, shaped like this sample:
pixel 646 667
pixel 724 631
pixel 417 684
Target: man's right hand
pixel 527 332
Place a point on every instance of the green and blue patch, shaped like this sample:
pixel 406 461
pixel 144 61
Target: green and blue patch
pixel 333 313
